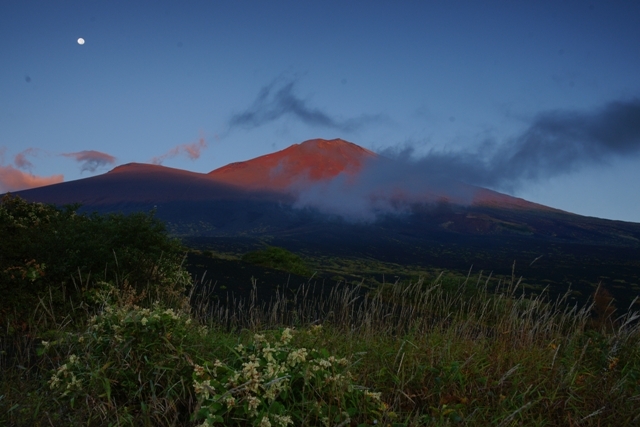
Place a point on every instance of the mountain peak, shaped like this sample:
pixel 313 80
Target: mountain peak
pixel 310 161
pixel 336 145
pixel 130 167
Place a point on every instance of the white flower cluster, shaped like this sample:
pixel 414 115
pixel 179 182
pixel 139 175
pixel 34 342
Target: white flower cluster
pixel 373 395
pixel 203 388
pixel 64 375
pixel 111 327
pixel 297 356
pixel 113 319
pixel 286 336
pixel 264 372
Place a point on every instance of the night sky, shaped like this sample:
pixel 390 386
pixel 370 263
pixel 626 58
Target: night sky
pixel 538 99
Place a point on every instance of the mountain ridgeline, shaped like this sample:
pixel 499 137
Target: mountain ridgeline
pixel 334 197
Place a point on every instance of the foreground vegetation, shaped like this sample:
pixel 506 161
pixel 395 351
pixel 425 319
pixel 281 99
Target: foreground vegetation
pixel 91 345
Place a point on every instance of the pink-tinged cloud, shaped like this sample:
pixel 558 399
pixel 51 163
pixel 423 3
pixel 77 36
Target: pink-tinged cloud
pixel 91 159
pixel 21 160
pixel 12 179
pixel 191 150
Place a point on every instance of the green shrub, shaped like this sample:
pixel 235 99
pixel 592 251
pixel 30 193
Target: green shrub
pixel 130 366
pixel 154 366
pixel 278 258
pixel 270 382
pixel 52 253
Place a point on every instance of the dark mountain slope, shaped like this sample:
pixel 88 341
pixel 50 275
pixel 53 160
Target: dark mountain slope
pixel 256 202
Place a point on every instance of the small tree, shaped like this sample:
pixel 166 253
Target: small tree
pixel 278 258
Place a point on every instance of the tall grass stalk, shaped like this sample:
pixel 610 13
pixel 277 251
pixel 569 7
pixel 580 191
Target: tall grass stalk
pixel 476 354
pixel 480 355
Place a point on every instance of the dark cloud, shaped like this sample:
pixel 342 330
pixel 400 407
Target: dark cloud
pixel 91 159
pixel 278 99
pixel 556 143
pixel 21 161
pixel 192 151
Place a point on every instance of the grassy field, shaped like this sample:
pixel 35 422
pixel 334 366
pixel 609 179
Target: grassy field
pixel 426 350
pixel 413 354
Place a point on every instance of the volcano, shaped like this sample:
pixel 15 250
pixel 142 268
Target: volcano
pixel 316 163
pixel 334 198
pixel 282 176
pixel 301 187
pixel 313 161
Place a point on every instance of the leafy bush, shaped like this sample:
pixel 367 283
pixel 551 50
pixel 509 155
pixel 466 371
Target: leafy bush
pixel 270 382
pixel 50 251
pixel 130 366
pixel 278 258
pixel 133 366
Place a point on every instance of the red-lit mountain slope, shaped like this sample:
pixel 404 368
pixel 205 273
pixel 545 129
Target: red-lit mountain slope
pixel 317 161
pixel 307 186
pixel 277 177
pixel 309 162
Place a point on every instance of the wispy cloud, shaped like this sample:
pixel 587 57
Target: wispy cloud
pixel 278 99
pixel 12 179
pixel 21 160
pixel 192 151
pixel 555 143
pixel 560 142
pixel 91 159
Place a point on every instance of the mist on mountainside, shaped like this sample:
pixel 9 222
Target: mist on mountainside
pixel 555 143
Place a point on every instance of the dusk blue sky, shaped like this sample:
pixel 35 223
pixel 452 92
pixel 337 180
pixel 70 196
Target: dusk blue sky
pixel 538 99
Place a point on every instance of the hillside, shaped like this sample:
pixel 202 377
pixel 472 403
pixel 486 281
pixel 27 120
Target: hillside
pixel 335 198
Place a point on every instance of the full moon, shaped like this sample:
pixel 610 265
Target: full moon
pixel 81 41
